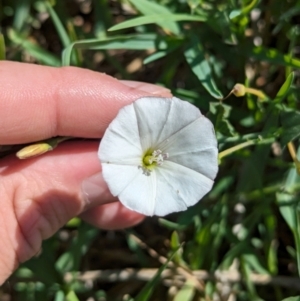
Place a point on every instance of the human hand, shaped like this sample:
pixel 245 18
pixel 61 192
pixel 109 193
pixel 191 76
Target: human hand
pixel 39 195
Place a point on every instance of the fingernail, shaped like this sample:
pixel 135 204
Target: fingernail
pixel 95 192
pixel 148 88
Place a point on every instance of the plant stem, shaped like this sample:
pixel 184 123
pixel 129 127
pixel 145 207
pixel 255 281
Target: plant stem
pixel 236 148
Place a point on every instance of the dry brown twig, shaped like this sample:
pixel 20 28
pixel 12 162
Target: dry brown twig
pixel 168 275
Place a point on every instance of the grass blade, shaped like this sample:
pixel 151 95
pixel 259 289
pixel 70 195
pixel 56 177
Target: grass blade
pixel 64 37
pixel 2 48
pixel 131 42
pixel 195 57
pixel 152 8
pixel 156 19
pixel 34 50
pixel 147 290
pixel 283 91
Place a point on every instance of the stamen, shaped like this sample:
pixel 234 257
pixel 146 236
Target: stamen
pixel 146 171
pixel 156 158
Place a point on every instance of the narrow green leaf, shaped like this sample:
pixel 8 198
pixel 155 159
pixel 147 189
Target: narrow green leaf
pixel 35 50
pixel 295 298
pixel 283 91
pixel 244 11
pixel 155 56
pixel 235 13
pixel 45 262
pixel 2 48
pixel 171 225
pixel 130 42
pixel 175 245
pixel 290 121
pixel 288 206
pixel 147 290
pixel 286 200
pixel 59 296
pixel 64 37
pixel 71 296
pixel 186 292
pixel 246 271
pixel 71 259
pixel 271 55
pixel 156 19
pixel 151 8
pixel 159 54
pixel 254 167
pixel 102 17
pixel 195 57
pixel 22 10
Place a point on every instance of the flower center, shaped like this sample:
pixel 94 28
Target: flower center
pixel 157 158
pixel 150 160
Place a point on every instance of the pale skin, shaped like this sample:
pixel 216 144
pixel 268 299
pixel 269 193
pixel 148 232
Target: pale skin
pixel 39 195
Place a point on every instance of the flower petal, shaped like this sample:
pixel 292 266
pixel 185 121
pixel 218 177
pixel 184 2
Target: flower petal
pixel 182 187
pixel 195 147
pixel 118 177
pixel 134 189
pixel 121 143
pixel 160 118
pixel 140 194
pixel 170 188
pixel 151 114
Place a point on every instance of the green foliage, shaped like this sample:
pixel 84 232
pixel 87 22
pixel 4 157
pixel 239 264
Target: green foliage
pixel 248 225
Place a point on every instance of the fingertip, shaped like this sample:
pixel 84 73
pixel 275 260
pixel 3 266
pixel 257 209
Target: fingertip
pixel 112 216
pixel 149 89
pixel 95 192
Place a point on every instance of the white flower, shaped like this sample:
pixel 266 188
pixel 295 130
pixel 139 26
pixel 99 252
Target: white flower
pixel 159 155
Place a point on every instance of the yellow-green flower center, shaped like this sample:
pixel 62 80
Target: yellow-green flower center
pixel 152 159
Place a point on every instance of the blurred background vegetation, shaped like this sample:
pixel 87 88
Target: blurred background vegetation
pixel 242 241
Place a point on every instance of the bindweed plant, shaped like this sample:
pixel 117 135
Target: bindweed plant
pixel 238 62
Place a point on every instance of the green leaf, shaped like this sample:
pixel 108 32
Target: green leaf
pixel 2 47
pixel 235 13
pixel 186 292
pixel 151 8
pixel 295 298
pixel 218 115
pixel 131 42
pixel 64 37
pixel 289 208
pixel 34 50
pixel 102 17
pixel 244 11
pixel 22 13
pixel 171 225
pixel 175 245
pixel 254 167
pixel 283 91
pixel 195 57
pixel 45 262
pixel 71 296
pixel 159 54
pixel 271 55
pixel 290 120
pixel 71 259
pixel 287 200
pixel 59 296
pixel 147 290
pixel 156 19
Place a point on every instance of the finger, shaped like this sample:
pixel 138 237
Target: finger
pixel 39 102
pixel 149 88
pixel 112 216
pixel 107 216
pixel 39 195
